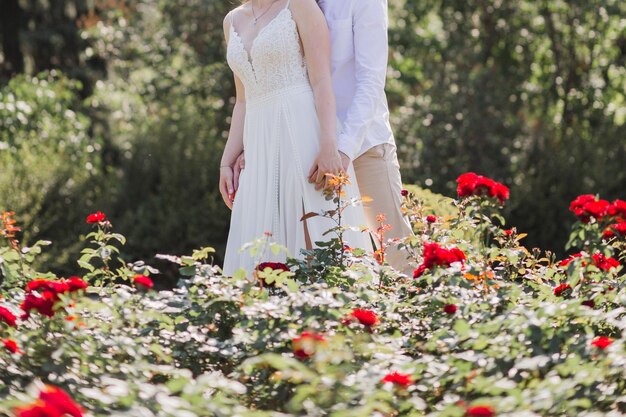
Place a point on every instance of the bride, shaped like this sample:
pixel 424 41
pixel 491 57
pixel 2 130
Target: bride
pixel 284 119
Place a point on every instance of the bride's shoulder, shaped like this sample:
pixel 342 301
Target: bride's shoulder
pixel 231 14
pixel 303 5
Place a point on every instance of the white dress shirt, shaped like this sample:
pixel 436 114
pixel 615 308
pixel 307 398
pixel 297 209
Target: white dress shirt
pixel 358 30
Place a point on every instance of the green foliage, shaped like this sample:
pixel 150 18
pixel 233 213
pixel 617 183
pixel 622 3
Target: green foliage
pixel 528 92
pixel 16 266
pixel 221 346
pixel 165 108
pixel 50 164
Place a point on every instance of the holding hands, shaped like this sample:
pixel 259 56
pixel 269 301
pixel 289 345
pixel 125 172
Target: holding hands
pixel 328 161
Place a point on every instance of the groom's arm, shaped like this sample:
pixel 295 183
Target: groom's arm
pixel 370 53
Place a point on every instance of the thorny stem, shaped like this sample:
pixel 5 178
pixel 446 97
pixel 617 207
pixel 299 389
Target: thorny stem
pixel 340 233
pixel 335 190
pixel 380 252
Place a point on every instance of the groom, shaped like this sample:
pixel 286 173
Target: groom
pixel 358 30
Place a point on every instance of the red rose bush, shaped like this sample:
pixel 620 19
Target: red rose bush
pixel 481 331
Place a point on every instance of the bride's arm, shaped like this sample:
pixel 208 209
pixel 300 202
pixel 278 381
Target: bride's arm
pixel 234 144
pixel 315 38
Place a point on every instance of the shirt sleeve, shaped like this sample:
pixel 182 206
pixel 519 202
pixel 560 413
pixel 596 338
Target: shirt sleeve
pixel 371 50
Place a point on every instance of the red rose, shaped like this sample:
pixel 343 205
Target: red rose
pixel 37 410
pixel 499 191
pixel 60 400
pixel 7 317
pixel 404 193
pixel 419 271
pixel 396 378
pixel 305 345
pixel 480 411
pixel 618 228
pixel 435 255
pixel 53 402
pixel 577 206
pixel 563 289
pixel 11 346
pixel 44 304
pixel 431 219
pixel 604 263
pixel 570 258
pixel 508 232
pixel 466 184
pixel 450 309
pixel 75 284
pixel 56 287
pixel 597 209
pixel 599 260
pixel 589 303
pixel 365 317
pixel 454 255
pixel 274 266
pixel 587 206
pixel 602 342
pixel 617 209
pixel 469 184
pixel 49 291
pixel 143 282
pixel 96 217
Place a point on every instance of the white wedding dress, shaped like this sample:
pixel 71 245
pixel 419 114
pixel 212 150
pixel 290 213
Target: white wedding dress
pixel 281 141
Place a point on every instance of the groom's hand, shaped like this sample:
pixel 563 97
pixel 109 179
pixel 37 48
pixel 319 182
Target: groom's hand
pixel 327 161
pixel 345 161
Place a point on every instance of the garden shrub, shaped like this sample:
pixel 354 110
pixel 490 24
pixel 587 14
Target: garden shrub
pixel 485 327
pixel 49 162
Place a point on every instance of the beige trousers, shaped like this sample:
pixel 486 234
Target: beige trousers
pixel 378 176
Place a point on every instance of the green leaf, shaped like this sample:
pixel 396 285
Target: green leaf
pixel 86 265
pixel 462 328
pixel 188 271
pixel 176 385
pixel 240 274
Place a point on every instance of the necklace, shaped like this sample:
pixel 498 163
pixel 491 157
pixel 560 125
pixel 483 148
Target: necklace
pixel 256 19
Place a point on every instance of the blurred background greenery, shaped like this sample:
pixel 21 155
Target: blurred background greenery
pixel 123 106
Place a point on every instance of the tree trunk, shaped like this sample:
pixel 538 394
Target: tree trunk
pixel 10 21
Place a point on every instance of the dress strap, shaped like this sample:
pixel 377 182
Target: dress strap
pixel 287 5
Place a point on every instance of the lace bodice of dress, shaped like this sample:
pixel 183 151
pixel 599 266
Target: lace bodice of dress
pixel 274 61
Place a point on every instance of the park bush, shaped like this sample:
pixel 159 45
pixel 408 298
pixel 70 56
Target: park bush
pixel 49 162
pixel 484 327
pixel 531 92
pixel 164 111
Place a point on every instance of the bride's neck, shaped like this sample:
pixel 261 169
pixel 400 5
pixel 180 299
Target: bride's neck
pixel 261 4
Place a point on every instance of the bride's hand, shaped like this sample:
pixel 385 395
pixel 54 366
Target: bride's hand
pixel 226 186
pixel 240 164
pixel 327 161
